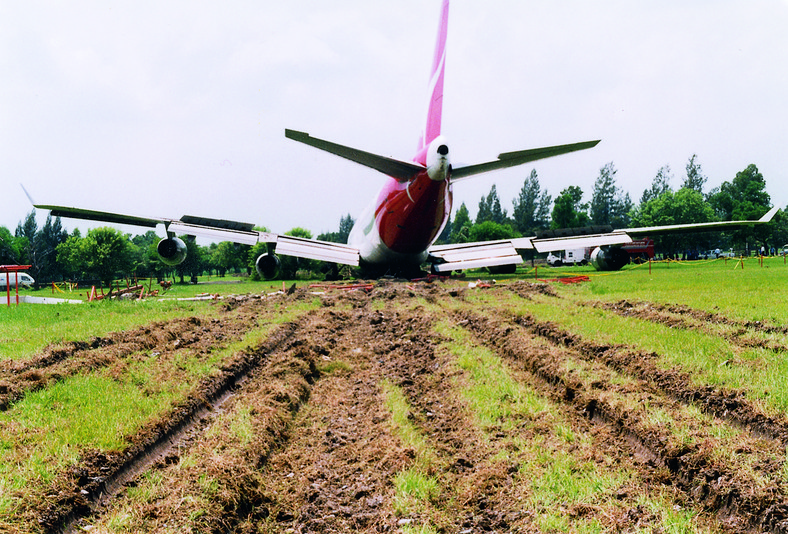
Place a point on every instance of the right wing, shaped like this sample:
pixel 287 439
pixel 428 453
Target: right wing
pixel 222 230
pixel 623 236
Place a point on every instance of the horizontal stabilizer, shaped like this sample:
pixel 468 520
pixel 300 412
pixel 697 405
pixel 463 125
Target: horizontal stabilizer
pixel 512 159
pixel 401 170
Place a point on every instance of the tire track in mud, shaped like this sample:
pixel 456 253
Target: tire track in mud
pixel 730 494
pixel 99 476
pixel 729 405
pixel 687 318
pixel 19 377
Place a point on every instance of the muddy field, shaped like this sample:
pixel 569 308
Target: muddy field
pixel 419 408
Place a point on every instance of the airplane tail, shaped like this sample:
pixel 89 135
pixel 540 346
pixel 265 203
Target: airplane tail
pixel 435 92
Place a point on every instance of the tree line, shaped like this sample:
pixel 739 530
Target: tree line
pixel 106 253
pixel 610 207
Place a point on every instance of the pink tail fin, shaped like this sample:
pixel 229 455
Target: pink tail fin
pixel 434 111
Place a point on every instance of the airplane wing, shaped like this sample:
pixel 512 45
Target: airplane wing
pixel 222 230
pixel 401 170
pixel 512 159
pixel 459 256
pixel 623 236
pixel 700 227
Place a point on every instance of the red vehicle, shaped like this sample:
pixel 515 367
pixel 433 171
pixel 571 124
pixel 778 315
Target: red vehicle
pixel 640 250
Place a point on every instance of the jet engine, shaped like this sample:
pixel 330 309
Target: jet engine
pixel 267 265
pixel 171 250
pixel 609 258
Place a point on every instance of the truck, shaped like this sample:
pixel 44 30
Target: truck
pixel 24 280
pixel 569 257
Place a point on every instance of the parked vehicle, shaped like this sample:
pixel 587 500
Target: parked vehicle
pixel 569 257
pixel 24 280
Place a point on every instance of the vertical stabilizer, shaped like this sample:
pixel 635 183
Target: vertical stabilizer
pixel 435 106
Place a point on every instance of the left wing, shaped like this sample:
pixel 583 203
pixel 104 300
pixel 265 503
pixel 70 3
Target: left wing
pixel 222 230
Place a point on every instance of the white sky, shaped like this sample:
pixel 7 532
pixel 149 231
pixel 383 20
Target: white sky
pixel 173 108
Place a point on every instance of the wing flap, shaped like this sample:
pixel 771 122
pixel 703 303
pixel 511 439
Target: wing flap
pixel 316 250
pixel 462 256
pixel 220 234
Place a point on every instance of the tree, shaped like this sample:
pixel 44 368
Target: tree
pixel 695 179
pixel 609 204
pixel 490 231
pixel 45 245
pixel 27 231
pixel 460 231
pixel 660 184
pixel 228 256
pixel 532 207
pixel 194 262
pixel 345 226
pixel 104 253
pixel 490 208
pixel 10 247
pixel 568 212
pixel 683 207
pixel 744 198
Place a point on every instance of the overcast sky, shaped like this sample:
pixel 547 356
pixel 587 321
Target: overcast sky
pixel 174 108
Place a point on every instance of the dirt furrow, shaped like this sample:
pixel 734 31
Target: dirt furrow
pixel 56 362
pixel 725 404
pixel 684 317
pixel 99 476
pixel 335 474
pixel 735 495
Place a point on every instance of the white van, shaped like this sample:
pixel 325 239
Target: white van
pixel 24 280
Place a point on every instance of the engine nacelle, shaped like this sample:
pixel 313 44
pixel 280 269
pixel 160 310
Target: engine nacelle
pixel 609 258
pixel 171 250
pixel 267 265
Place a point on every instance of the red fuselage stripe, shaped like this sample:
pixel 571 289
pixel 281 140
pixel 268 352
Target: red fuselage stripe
pixel 410 215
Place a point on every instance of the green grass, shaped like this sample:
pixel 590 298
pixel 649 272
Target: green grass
pixel 416 488
pixel 752 293
pixel 494 396
pixel 49 429
pixel 708 357
pixel 28 328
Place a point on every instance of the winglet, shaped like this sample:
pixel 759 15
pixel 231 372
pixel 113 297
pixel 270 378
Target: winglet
pixel 27 194
pixel 769 214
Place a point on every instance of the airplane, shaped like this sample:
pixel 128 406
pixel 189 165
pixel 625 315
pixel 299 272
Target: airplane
pixel 396 233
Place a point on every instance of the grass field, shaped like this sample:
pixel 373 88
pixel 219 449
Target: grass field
pixel 651 399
